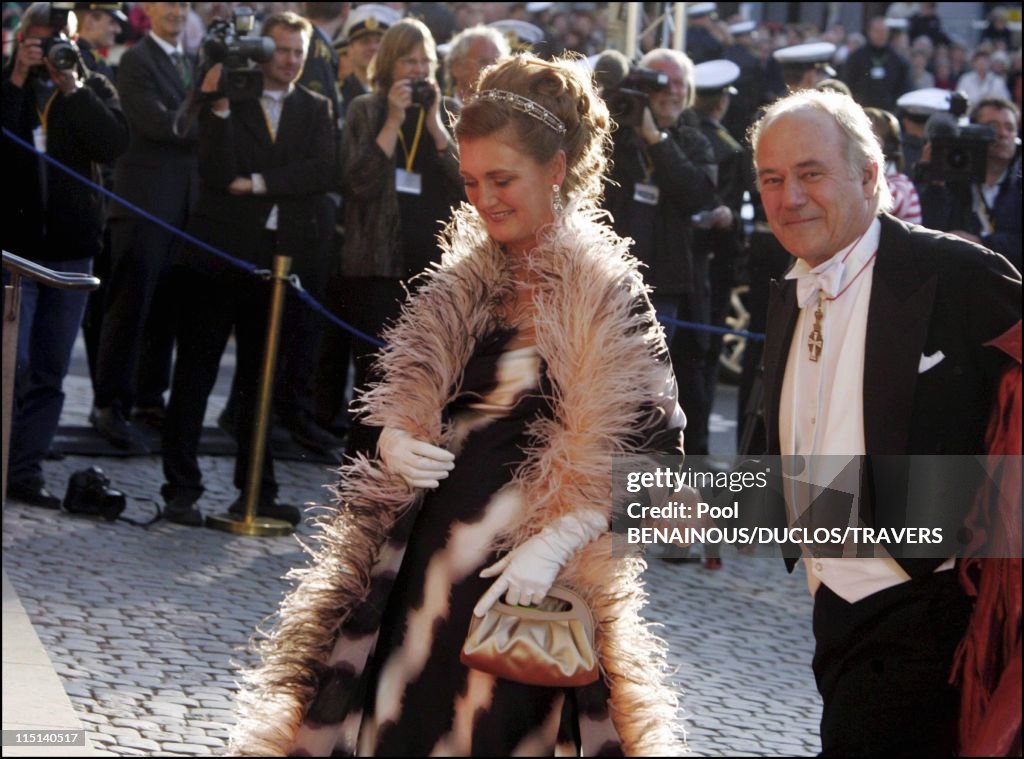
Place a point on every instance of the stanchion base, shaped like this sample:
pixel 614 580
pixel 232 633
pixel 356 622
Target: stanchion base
pixel 264 527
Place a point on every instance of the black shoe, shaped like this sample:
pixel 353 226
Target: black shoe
pixel 183 511
pixel 272 509
pixel 309 434
pixel 118 431
pixel 151 416
pixel 33 494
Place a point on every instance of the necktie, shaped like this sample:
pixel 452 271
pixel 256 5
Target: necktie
pixel 181 65
pixel 810 284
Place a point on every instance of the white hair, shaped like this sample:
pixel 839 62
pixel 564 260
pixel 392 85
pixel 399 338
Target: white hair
pixel 862 145
pixel 461 42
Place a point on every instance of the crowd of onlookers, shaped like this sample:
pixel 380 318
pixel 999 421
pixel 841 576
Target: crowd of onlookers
pixel 159 151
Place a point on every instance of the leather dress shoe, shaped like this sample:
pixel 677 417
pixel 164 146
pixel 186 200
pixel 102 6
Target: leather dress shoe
pixel 33 494
pixel 712 563
pixel 183 511
pixel 111 423
pixel 271 509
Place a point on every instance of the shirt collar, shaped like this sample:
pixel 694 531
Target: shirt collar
pixel 865 246
pixel 279 95
pixel 166 46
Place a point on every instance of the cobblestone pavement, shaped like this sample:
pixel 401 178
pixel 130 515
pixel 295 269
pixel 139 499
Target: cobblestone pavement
pixel 147 627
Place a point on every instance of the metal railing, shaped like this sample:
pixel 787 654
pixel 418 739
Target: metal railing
pixel 18 268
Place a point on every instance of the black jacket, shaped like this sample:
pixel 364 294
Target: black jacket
pixel 158 171
pixel 930 292
pixel 684 172
pixel 59 218
pixel 297 167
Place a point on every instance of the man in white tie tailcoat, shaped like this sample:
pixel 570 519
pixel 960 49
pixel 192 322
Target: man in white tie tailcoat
pixel 876 344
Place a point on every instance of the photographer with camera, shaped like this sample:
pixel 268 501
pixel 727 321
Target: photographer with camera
pixel 663 174
pixel 50 98
pixel 264 164
pixel 971 184
pixel 400 180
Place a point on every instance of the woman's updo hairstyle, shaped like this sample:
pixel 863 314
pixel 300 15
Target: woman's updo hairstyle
pixel 565 90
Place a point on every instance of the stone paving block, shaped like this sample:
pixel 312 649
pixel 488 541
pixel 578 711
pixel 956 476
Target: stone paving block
pixel 193 749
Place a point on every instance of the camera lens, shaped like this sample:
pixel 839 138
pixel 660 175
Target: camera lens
pixel 62 55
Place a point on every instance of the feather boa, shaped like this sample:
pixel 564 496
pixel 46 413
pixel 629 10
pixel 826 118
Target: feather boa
pixel 596 331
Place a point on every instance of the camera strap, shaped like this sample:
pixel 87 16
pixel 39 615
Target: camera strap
pixel 410 156
pixel 44 115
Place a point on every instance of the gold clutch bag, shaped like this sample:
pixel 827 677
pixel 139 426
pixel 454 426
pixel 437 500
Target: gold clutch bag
pixel 551 644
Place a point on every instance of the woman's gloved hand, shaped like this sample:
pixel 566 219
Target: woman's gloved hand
pixel 528 571
pixel 419 463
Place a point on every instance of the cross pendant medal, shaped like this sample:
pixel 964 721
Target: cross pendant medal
pixel 816 341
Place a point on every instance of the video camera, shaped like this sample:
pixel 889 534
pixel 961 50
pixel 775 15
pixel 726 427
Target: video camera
pixel 627 100
pixel 959 152
pixel 229 42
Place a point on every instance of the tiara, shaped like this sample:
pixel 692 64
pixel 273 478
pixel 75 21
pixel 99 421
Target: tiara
pixel 527 106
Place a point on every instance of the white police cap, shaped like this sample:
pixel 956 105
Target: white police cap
pixel 521 35
pixel 700 9
pixel 924 102
pixel 715 76
pixel 742 27
pixel 807 55
pixel 697 9
pixel 370 18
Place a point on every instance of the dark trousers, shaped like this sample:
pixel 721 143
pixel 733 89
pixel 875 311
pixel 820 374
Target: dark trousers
pixel 137 323
pixel 372 302
pixel 882 666
pixel 217 306
pixel 48 322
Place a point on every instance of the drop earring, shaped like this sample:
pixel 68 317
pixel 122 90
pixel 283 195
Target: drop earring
pixel 556 200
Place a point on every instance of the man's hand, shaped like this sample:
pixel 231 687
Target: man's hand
pixel 66 80
pixel 30 53
pixel 211 82
pixel 240 186
pixel 648 131
pixel 721 217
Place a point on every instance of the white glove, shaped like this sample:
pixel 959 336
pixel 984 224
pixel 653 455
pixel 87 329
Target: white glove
pixel 419 463
pixel 529 571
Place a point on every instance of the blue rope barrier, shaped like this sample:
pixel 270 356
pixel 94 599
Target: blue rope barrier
pixel 757 336
pixel 303 294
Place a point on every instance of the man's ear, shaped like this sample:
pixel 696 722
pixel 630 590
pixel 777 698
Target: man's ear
pixel 869 179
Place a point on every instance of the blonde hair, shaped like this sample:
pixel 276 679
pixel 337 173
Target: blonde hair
pixel 561 88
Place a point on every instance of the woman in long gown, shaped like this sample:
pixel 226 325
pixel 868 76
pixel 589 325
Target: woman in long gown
pixel 521 366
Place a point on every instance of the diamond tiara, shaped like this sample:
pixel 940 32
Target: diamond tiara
pixel 527 106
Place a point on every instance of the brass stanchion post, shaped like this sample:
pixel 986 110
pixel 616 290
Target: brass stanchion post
pixel 253 524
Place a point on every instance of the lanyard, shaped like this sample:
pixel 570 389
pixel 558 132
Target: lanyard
pixel 646 162
pixel 410 156
pixel 44 115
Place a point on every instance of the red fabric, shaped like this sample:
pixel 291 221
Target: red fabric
pixel 988 661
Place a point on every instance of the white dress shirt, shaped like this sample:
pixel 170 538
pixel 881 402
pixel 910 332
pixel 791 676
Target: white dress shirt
pixel 821 411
